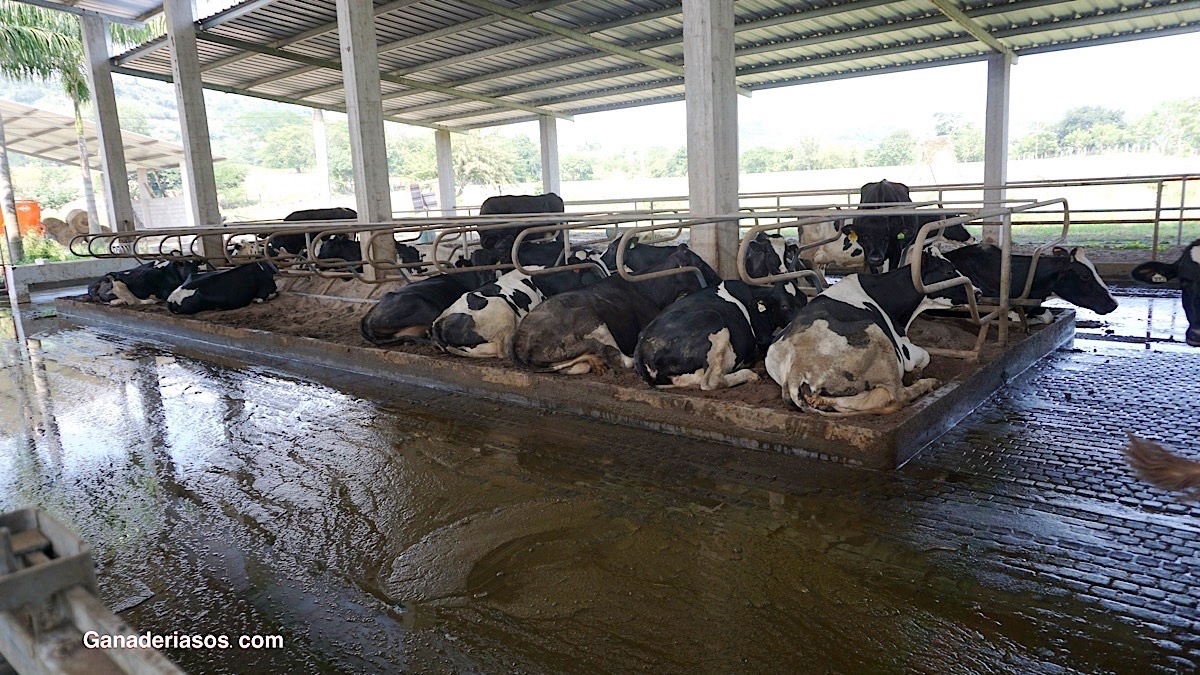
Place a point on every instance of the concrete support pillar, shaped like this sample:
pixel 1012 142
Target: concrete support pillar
pixel 995 172
pixel 321 149
pixel 711 128
pixel 364 106
pixel 445 172
pixel 550 168
pixel 995 147
pixel 108 126
pixel 199 182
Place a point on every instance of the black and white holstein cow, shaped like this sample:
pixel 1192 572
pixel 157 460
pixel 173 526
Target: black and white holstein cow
pixel 843 251
pixel 481 323
pixel 847 351
pixel 711 338
pixel 597 327
pixel 405 315
pixel 885 238
pixel 230 288
pixel 1187 271
pixel 1067 274
pixel 145 284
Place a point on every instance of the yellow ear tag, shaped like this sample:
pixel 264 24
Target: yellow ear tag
pixel 899 235
pixel 853 237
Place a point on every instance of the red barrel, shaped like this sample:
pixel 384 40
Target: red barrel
pixel 29 217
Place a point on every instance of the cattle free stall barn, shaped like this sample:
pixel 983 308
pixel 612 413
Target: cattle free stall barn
pixel 450 529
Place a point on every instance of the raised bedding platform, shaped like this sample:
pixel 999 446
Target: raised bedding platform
pixel 300 328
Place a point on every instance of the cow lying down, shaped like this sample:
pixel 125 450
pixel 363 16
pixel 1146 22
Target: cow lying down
pixel 1067 274
pixel 225 289
pixel 710 338
pixel 847 351
pixel 1163 468
pixel 406 315
pixel 145 284
pixel 597 327
pixel 481 323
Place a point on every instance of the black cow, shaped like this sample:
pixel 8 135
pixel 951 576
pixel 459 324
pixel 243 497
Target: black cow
pixel 847 351
pixel 1187 271
pixel 230 288
pixel 596 327
pixel 513 205
pixel 341 247
pixel 297 244
pixel 1067 274
pixel 405 315
pixel 885 238
pixel 145 284
pixel 711 337
pixel 638 256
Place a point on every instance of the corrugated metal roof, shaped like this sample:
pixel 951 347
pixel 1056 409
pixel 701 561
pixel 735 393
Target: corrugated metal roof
pixel 462 64
pixel 49 135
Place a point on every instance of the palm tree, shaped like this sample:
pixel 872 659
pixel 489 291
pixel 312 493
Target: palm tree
pixel 41 44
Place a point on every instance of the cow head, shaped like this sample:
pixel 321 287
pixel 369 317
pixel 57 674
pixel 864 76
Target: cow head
pixel 779 303
pixel 763 256
pixel 883 238
pixel 1078 283
pixel 1187 271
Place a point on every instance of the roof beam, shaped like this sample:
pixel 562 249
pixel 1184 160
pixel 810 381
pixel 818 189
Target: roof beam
pixel 403 81
pixel 267 97
pixel 973 27
pixel 70 9
pixel 316 31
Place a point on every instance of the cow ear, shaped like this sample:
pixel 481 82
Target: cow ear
pixel 1074 252
pixel 1155 272
pixel 1060 251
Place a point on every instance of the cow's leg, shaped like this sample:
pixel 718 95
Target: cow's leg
pixel 877 400
pixel 916 390
pixel 738 377
pixel 580 365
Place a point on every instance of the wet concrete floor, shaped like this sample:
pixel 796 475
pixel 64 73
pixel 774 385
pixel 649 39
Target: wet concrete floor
pixel 379 527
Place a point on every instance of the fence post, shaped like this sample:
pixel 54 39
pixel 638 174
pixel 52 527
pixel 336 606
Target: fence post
pixel 1157 220
pixel 1182 205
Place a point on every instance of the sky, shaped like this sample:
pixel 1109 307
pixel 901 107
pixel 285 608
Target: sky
pixel 1132 76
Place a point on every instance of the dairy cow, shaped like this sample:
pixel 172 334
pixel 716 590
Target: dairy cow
pixel 885 238
pixel 847 351
pixel 145 284
pixel 1187 271
pixel 405 315
pixel 230 288
pixel 594 328
pixel 843 251
pixel 514 205
pixel 297 244
pixel 1067 274
pixel 711 338
pixel 481 323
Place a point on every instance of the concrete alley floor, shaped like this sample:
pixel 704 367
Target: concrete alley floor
pixel 379 527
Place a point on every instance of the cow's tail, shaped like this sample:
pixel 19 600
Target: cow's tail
pixel 1163 468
